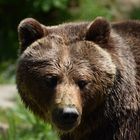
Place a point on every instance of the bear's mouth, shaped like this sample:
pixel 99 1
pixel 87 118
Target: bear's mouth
pixel 66 127
pixel 66 119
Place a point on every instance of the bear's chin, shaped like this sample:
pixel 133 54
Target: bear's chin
pixel 66 128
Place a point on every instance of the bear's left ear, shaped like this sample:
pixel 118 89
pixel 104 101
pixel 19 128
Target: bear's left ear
pixel 29 30
pixel 99 31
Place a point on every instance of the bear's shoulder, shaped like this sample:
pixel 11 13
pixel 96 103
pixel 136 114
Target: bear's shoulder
pixel 128 28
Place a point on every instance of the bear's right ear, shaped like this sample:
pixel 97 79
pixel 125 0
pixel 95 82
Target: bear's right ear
pixel 29 30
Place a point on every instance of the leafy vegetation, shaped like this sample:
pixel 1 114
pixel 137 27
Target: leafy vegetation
pixel 23 125
pixel 7 72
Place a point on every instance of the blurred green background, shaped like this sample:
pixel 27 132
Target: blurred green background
pixel 21 124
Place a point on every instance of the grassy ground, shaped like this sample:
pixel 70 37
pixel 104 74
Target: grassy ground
pixel 23 125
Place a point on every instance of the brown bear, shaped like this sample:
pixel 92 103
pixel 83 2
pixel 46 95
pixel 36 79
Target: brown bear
pixel 83 78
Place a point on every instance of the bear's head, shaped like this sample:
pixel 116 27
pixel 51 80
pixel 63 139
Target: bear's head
pixel 65 72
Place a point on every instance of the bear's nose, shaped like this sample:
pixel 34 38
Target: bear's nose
pixel 65 117
pixel 69 115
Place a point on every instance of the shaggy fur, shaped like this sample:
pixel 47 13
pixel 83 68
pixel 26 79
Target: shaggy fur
pixel 93 67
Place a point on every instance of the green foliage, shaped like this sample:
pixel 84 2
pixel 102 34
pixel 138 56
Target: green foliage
pixel 47 5
pixel 135 13
pixel 23 125
pixel 7 72
pixel 90 9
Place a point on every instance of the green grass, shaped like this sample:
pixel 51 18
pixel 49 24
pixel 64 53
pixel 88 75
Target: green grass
pixel 7 72
pixel 23 125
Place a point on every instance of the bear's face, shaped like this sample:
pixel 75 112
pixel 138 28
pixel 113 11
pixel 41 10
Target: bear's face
pixel 57 78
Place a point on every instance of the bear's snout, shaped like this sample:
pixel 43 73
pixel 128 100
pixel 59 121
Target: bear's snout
pixel 65 118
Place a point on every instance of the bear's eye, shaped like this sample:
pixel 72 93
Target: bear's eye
pixel 82 83
pixel 51 81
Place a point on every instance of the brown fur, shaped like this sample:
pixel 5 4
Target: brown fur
pixel 93 67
